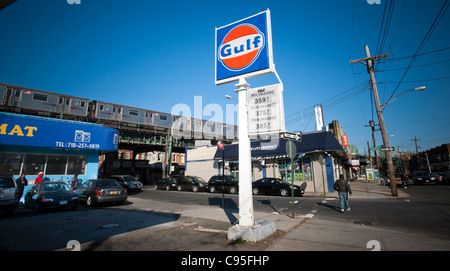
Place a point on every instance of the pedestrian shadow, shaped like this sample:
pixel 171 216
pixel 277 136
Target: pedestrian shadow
pixel 332 207
pixel 229 207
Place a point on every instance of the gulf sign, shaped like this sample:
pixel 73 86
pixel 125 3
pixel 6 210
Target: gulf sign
pixel 244 49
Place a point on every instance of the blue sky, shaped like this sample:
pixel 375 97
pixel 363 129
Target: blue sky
pixel 156 54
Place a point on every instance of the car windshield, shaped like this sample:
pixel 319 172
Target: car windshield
pixel 423 174
pixel 6 182
pixel 103 183
pixel 129 179
pixel 232 179
pixel 198 179
pixel 282 181
pixel 53 187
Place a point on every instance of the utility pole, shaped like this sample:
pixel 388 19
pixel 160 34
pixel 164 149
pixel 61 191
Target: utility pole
pixel 369 62
pixel 372 125
pixel 417 151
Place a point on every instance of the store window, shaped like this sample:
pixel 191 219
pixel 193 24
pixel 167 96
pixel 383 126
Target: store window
pixel 302 169
pixel 10 163
pixel 32 164
pixel 76 165
pixel 56 165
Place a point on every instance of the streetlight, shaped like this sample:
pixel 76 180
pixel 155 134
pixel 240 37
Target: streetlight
pixel 229 97
pixel 422 88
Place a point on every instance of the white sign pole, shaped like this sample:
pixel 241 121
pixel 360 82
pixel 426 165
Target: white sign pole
pixel 245 171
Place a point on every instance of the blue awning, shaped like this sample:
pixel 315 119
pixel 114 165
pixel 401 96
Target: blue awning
pixel 313 142
pixel 24 130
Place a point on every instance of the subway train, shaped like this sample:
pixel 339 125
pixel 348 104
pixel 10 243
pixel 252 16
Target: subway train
pixel 44 103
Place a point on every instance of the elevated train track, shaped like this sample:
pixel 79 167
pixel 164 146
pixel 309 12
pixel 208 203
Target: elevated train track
pixel 140 129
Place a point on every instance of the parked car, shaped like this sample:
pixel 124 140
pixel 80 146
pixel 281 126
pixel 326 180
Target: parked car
pixel 446 177
pixel 275 186
pixel 9 194
pixel 51 195
pixel 217 184
pixel 420 177
pixel 439 176
pixel 169 183
pixel 191 183
pixel 128 181
pixel 101 190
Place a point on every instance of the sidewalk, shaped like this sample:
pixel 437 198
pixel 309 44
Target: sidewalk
pixel 365 190
pixel 205 228
pixel 309 233
pixel 315 234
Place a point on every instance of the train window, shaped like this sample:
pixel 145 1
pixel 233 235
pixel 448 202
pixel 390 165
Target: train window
pixel 17 93
pixel 67 101
pixel 114 109
pixel 101 107
pixel 120 110
pixel 60 100
pixel 134 113
pixel 40 97
pixel 162 117
pixel 83 104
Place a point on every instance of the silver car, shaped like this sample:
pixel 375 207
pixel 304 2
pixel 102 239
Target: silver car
pixel 9 194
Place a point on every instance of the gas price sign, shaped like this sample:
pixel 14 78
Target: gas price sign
pixel 265 110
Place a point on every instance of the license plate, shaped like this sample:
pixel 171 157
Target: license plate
pixel 63 202
pixel 113 192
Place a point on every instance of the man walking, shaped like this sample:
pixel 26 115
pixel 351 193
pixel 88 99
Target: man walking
pixel 343 188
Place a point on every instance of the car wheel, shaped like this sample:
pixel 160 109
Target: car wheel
pixel 212 189
pixel 26 203
pixel 179 188
pixel 233 190
pixel 167 187
pixel 255 191
pixel 195 188
pixel 37 207
pixel 89 202
pixel 156 187
pixel 284 192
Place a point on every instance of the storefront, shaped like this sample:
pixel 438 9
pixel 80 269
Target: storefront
pixel 58 148
pixel 320 159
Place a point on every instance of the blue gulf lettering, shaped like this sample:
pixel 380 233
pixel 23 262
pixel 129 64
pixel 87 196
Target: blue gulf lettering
pixel 256 41
pixel 236 50
pixel 226 50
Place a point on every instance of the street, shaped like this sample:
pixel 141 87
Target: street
pixel 158 220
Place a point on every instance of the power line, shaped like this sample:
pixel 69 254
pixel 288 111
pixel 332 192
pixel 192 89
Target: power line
pixel 329 103
pixel 406 57
pixel 416 66
pixel 422 44
pixel 331 98
pixel 416 81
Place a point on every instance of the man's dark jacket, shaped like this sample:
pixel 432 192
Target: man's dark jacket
pixel 341 185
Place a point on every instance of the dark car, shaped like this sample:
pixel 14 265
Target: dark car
pixel 128 181
pixel 9 194
pixel 191 183
pixel 50 195
pixel 101 190
pixel 439 176
pixel 275 186
pixel 423 177
pixel 230 185
pixel 169 183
